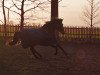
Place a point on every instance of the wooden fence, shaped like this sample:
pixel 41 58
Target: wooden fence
pixel 71 33
pixel 11 29
pixel 81 34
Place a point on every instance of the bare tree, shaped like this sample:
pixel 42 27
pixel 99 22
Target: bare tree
pixel 8 12
pixel 22 9
pixel 54 8
pixel 91 13
pixel 4 14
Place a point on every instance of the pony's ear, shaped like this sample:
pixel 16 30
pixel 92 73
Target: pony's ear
pixel 60 19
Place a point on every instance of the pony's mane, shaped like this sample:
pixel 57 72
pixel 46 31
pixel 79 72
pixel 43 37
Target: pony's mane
pixel 50 22
pixel 47 24
pixel 51 25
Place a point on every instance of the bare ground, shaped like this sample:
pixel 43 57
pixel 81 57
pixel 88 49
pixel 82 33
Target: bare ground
pixel 84 60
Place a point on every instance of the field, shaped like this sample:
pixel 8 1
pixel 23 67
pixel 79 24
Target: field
pixel 84 59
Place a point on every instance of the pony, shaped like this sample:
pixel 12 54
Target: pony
pixel 44 36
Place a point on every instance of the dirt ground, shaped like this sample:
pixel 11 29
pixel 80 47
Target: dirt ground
pixel 84 59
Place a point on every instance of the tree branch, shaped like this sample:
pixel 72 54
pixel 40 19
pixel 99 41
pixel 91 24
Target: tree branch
pixel 33 7
pixel 16 5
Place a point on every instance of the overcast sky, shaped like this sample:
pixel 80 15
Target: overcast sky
pixel 69 10
pixel 73 11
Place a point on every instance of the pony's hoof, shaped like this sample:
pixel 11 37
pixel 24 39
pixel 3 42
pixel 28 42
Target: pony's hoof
pixel 55 53
pixel 38 57
pixel 68 57
pixel 31 56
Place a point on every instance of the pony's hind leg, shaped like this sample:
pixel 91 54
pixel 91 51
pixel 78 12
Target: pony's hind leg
pixel 62 50
pixel 35 53
pixel 56 52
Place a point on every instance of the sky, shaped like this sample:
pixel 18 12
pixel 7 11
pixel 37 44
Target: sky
pixel 69 10
pixel 73 11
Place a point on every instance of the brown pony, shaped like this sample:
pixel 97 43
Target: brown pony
pixel 44 36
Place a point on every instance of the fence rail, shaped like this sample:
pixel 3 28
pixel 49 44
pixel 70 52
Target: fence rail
pixel 11 29
pixel 71 33
pixel 82 34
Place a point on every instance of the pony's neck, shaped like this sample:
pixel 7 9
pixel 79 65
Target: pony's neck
pixel 49 28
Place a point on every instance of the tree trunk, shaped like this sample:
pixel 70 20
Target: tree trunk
pixel 54 9
pixel 3 2
pixel 91 26
pixel 22 16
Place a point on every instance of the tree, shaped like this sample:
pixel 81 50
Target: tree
pixel 21 8
pixel 54 8
pixel 4 14
pixel 91 13
pixel 8 13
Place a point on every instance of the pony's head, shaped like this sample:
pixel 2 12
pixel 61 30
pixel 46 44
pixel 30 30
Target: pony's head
pixel 58 25
pixel 53 26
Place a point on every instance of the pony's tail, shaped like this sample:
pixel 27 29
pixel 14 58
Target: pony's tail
pixel 15 39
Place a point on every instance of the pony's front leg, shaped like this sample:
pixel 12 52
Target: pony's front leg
pixel 35 53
